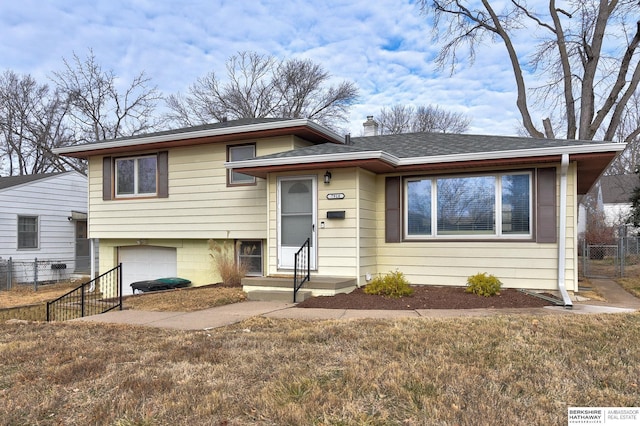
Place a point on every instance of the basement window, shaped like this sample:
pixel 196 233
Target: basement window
pixel 250 255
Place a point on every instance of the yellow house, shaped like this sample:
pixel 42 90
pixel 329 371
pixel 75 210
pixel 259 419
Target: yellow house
pixel 438 207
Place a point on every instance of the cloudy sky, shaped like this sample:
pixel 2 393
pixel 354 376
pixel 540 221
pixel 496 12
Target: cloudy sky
pixel 384 46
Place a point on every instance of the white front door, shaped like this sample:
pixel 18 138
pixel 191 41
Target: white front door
pixel 296 218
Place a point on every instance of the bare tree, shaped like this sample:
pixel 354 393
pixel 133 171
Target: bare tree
pixel 98 108
pixel 302 93
pixel 395 119
pixel 432 118
pixel 259 86
pixel 404 119
pixel 32 123
pixel 587 56
pixel 628 161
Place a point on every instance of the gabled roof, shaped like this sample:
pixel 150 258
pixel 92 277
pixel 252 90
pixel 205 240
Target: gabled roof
pixel 227 131
pixel 11 181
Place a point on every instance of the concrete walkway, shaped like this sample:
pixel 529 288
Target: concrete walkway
pixel 618 301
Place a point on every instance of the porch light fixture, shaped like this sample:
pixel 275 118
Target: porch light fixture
pixel 327 177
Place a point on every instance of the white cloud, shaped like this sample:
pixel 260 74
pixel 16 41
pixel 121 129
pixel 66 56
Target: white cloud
pixel 385 47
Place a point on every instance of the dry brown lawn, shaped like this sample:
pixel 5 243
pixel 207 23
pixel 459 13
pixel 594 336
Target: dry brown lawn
pixel 504 370
pixel 26 294
pixel 185 299
pixel 631 284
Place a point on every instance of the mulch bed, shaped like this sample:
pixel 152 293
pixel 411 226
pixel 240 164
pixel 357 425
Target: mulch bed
pixel 426 297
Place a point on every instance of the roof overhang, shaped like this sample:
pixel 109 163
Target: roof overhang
pixel 78 215
pixel 591 161
pixel 302 128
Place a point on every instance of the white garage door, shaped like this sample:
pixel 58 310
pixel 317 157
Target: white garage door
pixel 146 263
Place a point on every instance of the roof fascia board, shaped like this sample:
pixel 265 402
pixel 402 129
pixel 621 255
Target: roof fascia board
pixel 311 159
pixel 398 162
pixel 249 128
pixel 519 153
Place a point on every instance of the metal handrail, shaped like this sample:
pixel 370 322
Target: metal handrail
pixel 85 300
pixel 301 258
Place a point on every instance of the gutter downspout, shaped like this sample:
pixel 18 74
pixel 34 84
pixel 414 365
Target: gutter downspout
pixel 92 262
pixel 562 234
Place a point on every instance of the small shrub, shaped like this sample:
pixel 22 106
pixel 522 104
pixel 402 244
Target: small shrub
pixel 394 284
pixel 483 285
pixel 224 260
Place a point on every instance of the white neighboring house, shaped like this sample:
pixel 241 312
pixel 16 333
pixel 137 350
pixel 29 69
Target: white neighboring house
pixel 616 192
pixel 44 217
pixel 613 195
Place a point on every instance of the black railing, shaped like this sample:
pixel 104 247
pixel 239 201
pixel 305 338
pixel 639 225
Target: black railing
pixel 302 265
pixel 97 296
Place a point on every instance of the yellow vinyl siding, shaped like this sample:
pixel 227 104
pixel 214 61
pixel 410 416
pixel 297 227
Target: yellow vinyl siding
pixel 193 258
pixel 199 204
pixel 337 242
pixel 367 225
pixel 516 264
pixel 300 143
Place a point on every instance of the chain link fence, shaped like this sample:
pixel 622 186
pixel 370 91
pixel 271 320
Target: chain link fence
pixel 611 260
pixel 34 272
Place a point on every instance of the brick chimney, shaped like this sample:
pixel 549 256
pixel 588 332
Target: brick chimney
pixel 370 126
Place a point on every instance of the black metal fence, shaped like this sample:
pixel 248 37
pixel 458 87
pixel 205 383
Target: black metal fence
pixel 302 271
pixel 34 272
pixel 97 296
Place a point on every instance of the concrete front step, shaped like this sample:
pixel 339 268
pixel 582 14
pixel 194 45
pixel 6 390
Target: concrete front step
pixel 278 295
pixel 280 288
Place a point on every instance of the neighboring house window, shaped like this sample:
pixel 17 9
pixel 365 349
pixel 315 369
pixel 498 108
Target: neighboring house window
pixel 27 232
pixel 239 153
pixel 496 205
pixel 136 176
pixel 250 255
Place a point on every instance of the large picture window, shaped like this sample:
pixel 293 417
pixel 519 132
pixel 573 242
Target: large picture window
pixel 136 176
pixel 497 205
pixel 27 232
pixel 239 153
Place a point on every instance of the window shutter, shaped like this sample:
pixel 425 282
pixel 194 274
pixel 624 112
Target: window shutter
pixel 163 174
pixel 546 218
pixel 106 178
pixel 392 210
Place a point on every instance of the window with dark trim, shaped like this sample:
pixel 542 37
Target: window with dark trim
pixel 239 153
pixel 469 206
pixel 136 176
pixel 27 232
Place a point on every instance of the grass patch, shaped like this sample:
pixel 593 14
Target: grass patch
pixel 589 291
pixel 186 299
pixel 631 284
pixel 495 370
pixel 182 300
pixel 25 294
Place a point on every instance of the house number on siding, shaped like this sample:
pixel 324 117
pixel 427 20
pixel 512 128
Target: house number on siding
pixel 335 196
